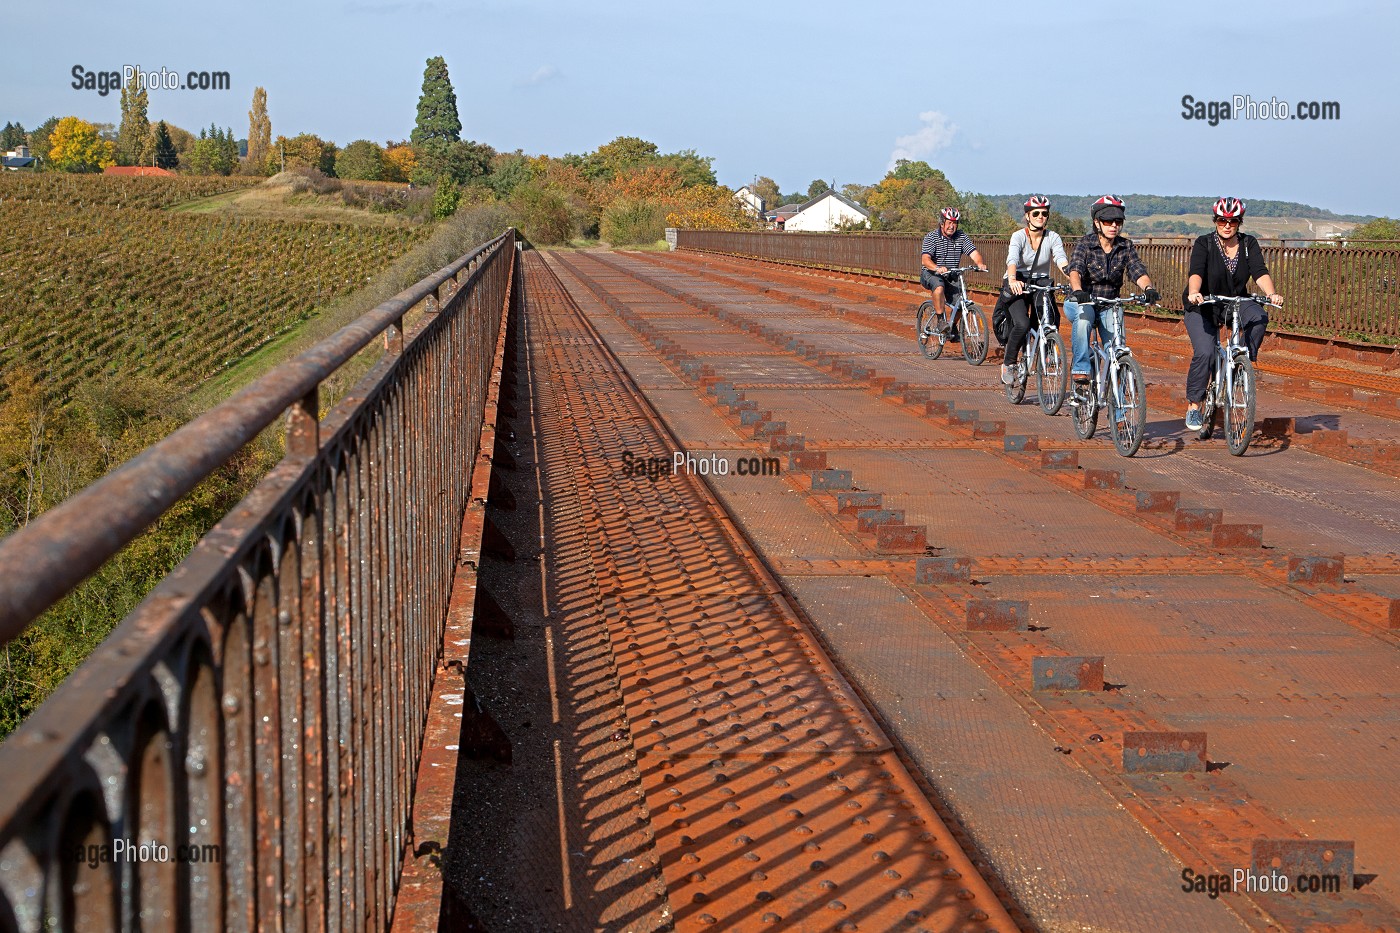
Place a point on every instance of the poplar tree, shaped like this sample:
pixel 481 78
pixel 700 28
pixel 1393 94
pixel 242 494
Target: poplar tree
pixel 135 128
pixel 259 135
pixel 437 107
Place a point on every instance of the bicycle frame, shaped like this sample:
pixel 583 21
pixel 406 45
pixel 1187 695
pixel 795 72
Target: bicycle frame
pixel 1101 357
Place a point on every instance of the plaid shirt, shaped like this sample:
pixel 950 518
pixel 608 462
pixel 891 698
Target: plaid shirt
pixel 1101 273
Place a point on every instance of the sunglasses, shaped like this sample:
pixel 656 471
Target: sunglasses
pixel 1111 223
pixel 1038 213
pixel 1232 221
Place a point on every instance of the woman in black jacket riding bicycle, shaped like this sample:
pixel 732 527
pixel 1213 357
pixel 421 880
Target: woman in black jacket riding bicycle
pixel 1222 263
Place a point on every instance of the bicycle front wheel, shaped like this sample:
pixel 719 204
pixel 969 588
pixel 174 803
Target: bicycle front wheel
pixel 974 334
pixel 1239 407
pixel 930 340
pixel 1052 375
pixel 1128 422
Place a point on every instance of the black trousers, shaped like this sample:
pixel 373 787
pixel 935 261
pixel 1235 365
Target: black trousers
pixel 1203 327
pixel 1018 313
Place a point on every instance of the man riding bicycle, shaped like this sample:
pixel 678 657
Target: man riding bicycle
pixel 1029 254
pixel 944 249
pixel 1222 263
pixel 1096 269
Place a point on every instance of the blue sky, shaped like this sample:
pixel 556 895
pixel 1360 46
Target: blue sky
pixel 1008 96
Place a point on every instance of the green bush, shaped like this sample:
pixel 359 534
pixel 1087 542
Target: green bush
pixel 446 199
pixel 633 221
pixel 545 216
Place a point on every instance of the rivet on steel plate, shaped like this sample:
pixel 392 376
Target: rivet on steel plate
pixel 1160 752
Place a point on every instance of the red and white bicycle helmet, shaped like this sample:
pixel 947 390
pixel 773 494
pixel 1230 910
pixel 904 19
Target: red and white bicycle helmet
pixel 1037 201
pixel 1229 208
pixel 950 213
pixel 1108 207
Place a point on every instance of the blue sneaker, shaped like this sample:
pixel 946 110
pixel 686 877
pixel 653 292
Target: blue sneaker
pixel 1193 419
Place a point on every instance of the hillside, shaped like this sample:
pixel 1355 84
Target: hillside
pixel 114 282
pixel 1169 205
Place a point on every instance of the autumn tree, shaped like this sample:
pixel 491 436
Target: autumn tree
pixel 693 169
pixel 361 160
pixel 259 135
pixel 437 106
pixel 306 150
pixel 74 146
pixel 133 138
pixel 909 198
pixel 399 161
pixel 767 189
pixel 165 155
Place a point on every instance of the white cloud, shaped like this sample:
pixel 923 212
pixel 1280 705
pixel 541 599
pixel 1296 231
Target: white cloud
pixel 540 76
pixel 936 133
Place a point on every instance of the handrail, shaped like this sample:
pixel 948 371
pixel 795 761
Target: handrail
pixel 1350 292
pixel 263 709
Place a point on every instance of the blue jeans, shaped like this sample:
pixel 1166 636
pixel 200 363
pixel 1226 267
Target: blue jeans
pixel 1082 319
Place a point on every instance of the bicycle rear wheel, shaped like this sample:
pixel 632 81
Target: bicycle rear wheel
pixel 974 334
pixel 1086 413
pixel 1239 407
pixel 1052 375
pixel 1128 408
pixel 1017 390
pixel 1208 405
pixel 930 340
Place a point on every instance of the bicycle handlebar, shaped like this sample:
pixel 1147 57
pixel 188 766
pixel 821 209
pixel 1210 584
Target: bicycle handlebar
pixel 1237 300
pixel 961 269
pixel 1130 300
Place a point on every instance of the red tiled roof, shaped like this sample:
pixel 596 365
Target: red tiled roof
pixel 135 170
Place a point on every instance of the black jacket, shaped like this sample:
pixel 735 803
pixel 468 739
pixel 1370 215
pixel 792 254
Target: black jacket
pixel 1216 278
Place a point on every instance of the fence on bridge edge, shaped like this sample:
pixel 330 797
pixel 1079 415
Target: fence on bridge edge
pixel 268 697
pixel 1331 291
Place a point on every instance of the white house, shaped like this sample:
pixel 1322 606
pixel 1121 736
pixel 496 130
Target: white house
pixel 750 202
pixel 824 212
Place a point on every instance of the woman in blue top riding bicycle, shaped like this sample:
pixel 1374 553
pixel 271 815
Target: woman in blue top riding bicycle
pixel 1029 253
pixel 1222 263
pixel 1096 270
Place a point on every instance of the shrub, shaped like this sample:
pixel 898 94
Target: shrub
pixel 446 199
pixel 545 216
pixel 633 221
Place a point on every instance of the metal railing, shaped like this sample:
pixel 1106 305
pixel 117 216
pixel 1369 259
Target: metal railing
pixel 260 713
pixel 1342 291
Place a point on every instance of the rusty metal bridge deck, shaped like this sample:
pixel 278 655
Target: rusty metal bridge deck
pixel 943 641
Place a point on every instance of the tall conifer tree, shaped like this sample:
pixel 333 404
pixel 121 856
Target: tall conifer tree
pixel 437 107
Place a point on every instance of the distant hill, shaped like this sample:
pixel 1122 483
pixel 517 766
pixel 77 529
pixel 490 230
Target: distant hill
pixel 1148 205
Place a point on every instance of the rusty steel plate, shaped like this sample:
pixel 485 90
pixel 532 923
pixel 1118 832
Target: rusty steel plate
pixel 827 842
pixel 728 674
pixel 845 416
pixel 1045 824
